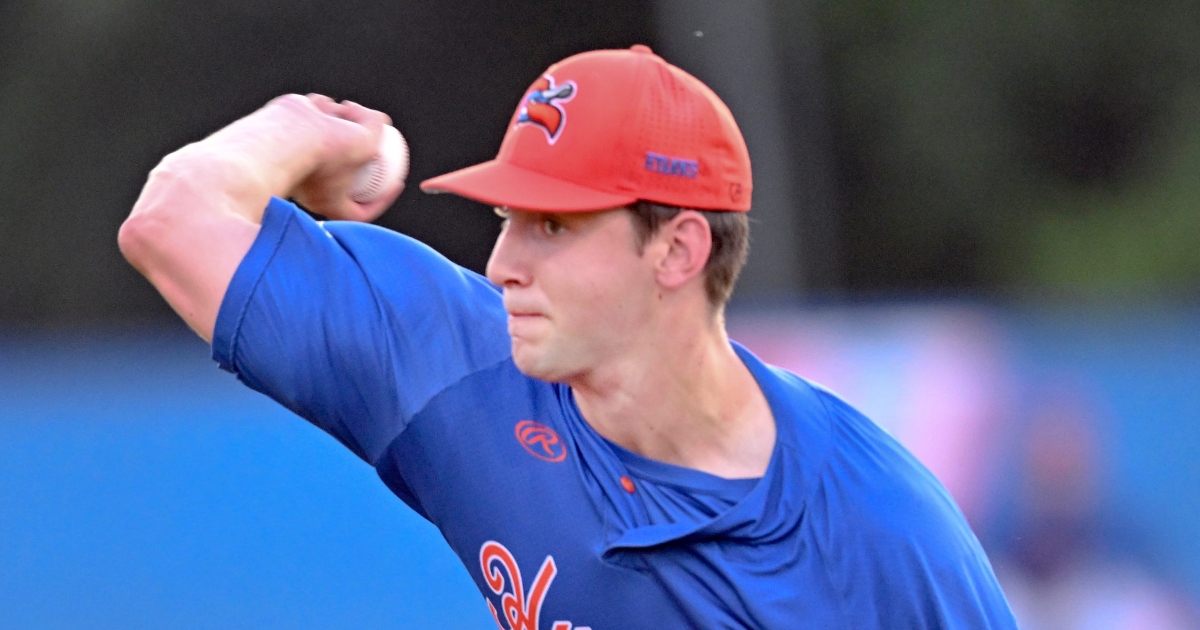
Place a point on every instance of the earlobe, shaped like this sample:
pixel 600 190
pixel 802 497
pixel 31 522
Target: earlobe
pixel 689 241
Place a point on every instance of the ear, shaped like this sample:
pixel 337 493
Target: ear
pixel 687 241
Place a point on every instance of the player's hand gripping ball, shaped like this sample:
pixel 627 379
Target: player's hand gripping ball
pixel 386 171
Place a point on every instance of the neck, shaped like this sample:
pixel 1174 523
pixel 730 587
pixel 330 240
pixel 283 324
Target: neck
pixel 681 395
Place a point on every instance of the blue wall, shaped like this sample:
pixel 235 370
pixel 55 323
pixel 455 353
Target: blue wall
pixel 141 487
pixel 1143 368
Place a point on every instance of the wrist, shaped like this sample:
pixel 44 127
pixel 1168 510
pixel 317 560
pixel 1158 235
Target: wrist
pixel 272 150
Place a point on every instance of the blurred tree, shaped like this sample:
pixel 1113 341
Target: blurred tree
pixel 1140 240
pixel 1014 145
pixel 1037 144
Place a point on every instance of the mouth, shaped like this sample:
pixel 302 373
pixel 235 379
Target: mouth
pixel 522 311
pixel 525 324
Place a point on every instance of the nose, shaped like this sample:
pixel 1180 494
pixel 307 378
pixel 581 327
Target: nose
pixel 506 267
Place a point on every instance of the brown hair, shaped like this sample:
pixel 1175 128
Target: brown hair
pixel 730 243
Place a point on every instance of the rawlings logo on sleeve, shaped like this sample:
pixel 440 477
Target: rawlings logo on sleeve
pixel 521 611
pixel 541 441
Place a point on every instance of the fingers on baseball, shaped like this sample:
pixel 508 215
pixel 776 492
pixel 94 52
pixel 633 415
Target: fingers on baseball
pixel 294 103
pixel 369 118
pixel 323 103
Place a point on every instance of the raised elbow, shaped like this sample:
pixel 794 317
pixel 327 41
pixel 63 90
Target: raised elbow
pixel 135 237
pixel 153 214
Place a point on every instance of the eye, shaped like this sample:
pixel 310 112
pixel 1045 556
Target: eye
pixel 551 227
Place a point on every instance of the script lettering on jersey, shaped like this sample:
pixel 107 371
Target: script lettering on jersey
pixel 503 577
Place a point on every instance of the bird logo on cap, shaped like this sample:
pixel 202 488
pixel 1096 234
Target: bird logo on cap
pixel 542 106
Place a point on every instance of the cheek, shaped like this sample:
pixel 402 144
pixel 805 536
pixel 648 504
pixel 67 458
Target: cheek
pixel 608 297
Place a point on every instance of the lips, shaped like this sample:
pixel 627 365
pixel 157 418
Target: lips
pixel 521 321
pixel 516 310
pixel 524 322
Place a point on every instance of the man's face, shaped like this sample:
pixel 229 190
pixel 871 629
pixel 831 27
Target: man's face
pixel 575 287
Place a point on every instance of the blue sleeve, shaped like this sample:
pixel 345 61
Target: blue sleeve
pixel 354 327
pixel 894 542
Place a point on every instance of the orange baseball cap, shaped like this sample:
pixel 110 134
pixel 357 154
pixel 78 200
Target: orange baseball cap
pixel 606 128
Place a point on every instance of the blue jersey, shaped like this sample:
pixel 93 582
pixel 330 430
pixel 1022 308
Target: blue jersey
pixel 405 358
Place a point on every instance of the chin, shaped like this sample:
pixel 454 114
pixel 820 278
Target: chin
pixel 539 363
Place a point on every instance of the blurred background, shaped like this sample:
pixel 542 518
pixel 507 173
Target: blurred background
pixel 978 222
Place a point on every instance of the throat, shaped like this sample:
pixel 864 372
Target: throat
pixel 707 414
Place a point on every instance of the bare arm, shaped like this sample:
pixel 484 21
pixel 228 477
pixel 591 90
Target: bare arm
pixel 202 206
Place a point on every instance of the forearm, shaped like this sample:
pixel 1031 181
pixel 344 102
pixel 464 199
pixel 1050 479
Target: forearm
pixel 187 234
pixel 202 206
pixel 239 168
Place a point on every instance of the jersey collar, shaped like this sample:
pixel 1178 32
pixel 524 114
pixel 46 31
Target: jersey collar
pixel 803 437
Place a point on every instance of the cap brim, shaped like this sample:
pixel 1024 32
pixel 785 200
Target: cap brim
pixel 503 184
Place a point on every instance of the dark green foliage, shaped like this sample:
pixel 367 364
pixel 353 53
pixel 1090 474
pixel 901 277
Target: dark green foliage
pixel 1014 145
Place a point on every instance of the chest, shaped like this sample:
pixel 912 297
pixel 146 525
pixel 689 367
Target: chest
pixel 541 520
pixel 529 531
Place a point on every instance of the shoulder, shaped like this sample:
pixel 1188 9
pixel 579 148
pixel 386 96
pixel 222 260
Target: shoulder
pixel 881 490
pixel 399 253
pixel 858 464
pixel 370 247
pixel 893 538
pixel 893 545
pixel 369 239
pixel 863 472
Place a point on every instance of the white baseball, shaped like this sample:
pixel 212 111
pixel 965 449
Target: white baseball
pixel 388 168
